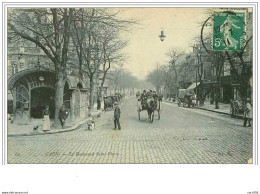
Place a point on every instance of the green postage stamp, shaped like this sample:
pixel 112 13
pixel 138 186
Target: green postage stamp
pixel 229 30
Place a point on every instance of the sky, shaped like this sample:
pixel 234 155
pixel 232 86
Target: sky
pixel 145 50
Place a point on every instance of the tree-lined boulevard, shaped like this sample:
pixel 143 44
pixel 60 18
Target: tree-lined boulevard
pixel 181 136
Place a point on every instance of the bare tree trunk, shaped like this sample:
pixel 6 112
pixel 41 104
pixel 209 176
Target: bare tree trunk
pixel 243 80
pixel 103 79
pixel 91 93
pixel 59 91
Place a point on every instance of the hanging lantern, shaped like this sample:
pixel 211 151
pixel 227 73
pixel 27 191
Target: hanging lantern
pixel 162 36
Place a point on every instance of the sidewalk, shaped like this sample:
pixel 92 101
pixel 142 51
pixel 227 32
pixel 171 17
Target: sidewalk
pixel 223 108
pixel 27 130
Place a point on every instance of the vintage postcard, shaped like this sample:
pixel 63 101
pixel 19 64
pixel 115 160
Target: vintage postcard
pixel 130 85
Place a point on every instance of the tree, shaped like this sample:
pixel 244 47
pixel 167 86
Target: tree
pixel 242 72
pixel 176 68
pixel 112 45
pixel 201 57
pixel 94 37
pixel 127 81
pixel 217 58
pixel 115 78
pixel 156 77
pixel 50 30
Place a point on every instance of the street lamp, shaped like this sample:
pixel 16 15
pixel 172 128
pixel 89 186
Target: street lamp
pixel 162 36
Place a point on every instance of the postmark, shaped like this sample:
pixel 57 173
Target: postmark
pixel 229 30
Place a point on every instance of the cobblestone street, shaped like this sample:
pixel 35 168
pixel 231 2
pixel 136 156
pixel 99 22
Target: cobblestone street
pixel 182 135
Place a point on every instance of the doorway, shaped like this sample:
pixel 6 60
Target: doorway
pixel 40 97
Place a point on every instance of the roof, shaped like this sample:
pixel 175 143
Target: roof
pixel 192 86
pixel 14 78
pixel 73 82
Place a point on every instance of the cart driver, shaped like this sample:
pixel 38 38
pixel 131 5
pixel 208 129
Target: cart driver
pixel 155 95
pixel 143 95
pixel 143 98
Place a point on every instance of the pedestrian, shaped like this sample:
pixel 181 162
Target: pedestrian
pixel 248 114
pixel 117 113
pixel 46 124
pixel 63 114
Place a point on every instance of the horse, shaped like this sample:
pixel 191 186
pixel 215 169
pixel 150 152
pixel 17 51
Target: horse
pixel 151 107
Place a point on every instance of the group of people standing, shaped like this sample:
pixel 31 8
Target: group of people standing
pixel 46 124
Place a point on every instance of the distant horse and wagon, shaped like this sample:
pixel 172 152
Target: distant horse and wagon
pixel 110 100
pixel 151 103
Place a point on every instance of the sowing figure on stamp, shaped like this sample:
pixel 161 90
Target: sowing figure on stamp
pixel 227 29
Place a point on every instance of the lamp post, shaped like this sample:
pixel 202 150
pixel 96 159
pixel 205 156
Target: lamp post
pixel 162 36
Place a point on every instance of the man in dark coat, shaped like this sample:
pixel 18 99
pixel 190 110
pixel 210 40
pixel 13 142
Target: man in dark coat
pixel 117 113
pixel 63 114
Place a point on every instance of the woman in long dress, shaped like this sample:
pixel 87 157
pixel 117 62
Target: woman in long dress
pixel 46 125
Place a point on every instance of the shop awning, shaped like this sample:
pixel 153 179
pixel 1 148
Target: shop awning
pixel 192 86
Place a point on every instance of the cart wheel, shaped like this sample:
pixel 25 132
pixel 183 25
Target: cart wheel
pixel 159 116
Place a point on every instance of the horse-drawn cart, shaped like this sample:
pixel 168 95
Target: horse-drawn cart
pixel 186 98
pixel 151 105
pixel 236 108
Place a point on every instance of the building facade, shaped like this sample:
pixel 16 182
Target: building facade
pixel 31 85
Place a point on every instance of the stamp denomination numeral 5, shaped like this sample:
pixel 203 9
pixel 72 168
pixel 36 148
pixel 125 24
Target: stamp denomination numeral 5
pixel 217 42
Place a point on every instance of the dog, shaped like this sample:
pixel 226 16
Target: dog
pixel 35 128
pixel 91 125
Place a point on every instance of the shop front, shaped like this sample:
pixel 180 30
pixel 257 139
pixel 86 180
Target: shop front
pixel 32 90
